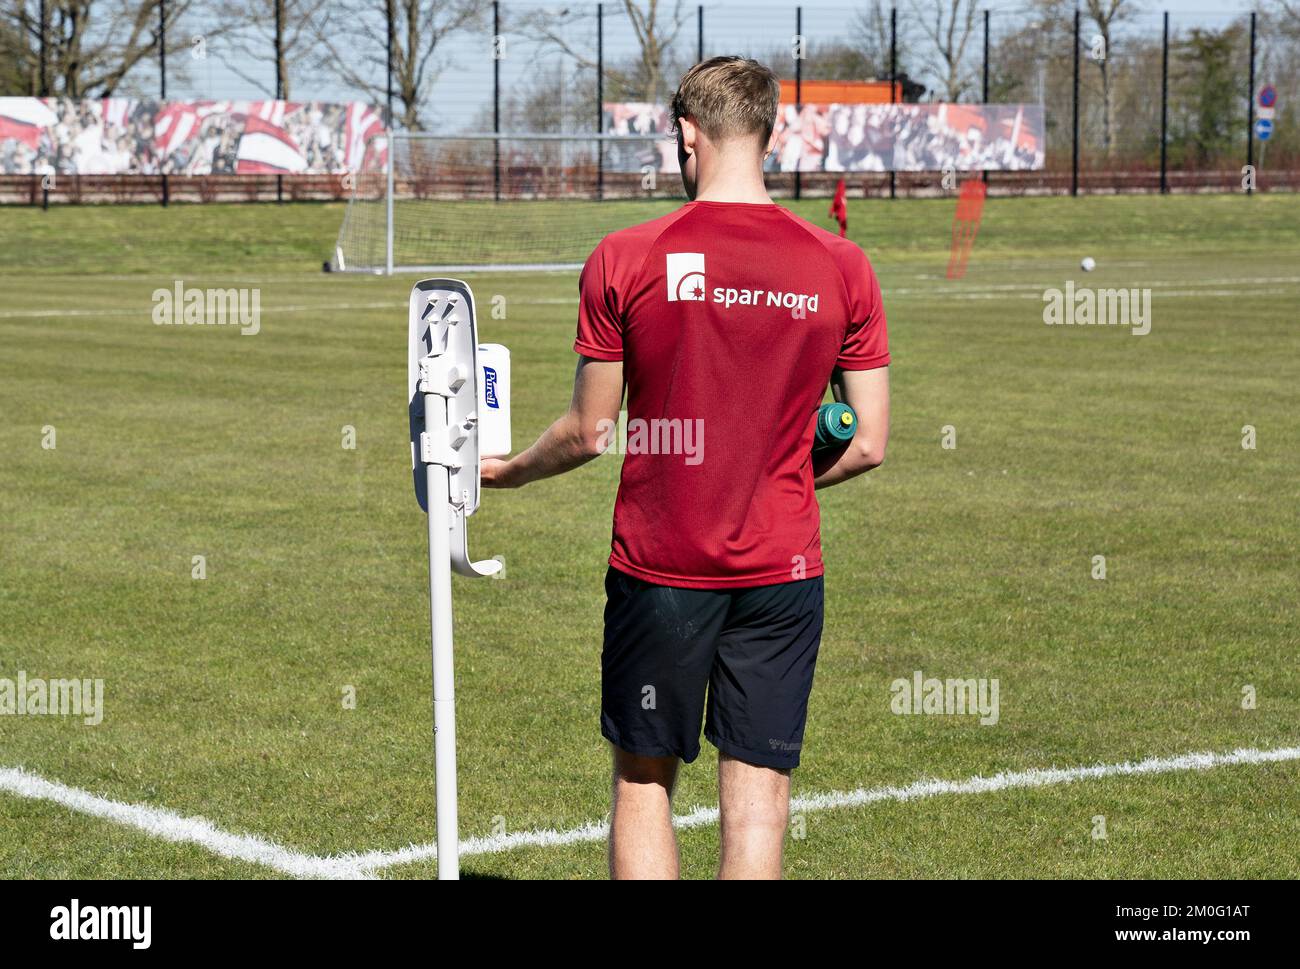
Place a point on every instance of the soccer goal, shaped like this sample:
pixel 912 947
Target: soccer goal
pixel 457 203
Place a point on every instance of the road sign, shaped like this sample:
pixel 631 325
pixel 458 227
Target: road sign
pixel 1263 129
pixel 1266 113
pixel 1267 96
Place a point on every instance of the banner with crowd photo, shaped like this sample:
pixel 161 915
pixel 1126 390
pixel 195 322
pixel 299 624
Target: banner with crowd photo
pixel 876 137
pixel 130 136
pixel 640 118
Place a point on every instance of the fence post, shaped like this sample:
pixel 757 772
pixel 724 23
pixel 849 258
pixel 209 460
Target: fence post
pixel 496 99
pixel 893 89
pixel 600 99
pixel 798 94
pixel 390 177
pixel 44 92
pixel 44 15
pixel 985 89
pixel 1164 109
pixel 162 75
pixel 279 81
pixel 1074 138
pixel 388 82
pixel 1250 109
pixel 985 95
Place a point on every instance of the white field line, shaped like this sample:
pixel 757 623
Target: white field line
pixel 162 823
pixel 1204 287
pixel 934 295
pixel 1164 294
pixel 289 308
pixel 170 826
pixel 703 816
pixel 1214 281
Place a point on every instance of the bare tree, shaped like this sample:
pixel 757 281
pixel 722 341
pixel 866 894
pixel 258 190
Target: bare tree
pixel 251 39
pixel 949 26
pixel 655 26
pixel 354 44
pixel 1021 56
pixel 860 54
pixel 91 46
pixel 870 34
pixel 553 100
pixel 1292 11
pixel 1105 16
pixel 19 63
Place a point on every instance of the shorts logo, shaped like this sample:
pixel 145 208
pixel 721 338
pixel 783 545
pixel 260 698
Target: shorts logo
pixel 685 273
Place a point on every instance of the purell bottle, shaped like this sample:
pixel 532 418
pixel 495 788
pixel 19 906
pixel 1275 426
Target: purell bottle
pixel 494 400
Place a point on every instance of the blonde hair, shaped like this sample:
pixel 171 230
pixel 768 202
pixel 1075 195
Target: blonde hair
pixel 727 97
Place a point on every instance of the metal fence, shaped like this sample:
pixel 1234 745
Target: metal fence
pixel 1149 102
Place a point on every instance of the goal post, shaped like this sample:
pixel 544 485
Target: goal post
pixel 511 201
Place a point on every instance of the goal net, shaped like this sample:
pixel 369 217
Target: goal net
pixel 512 201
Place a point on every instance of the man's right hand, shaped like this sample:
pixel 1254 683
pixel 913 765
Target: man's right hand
pixel 575 437
pixel 495 473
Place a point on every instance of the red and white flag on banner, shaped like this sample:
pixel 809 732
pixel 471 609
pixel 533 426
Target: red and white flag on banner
pixel 363 125
pixel 205 108
pixel 270 111
pixel 265 149
pixel 173 125
pixel 23 119
pixel 116 111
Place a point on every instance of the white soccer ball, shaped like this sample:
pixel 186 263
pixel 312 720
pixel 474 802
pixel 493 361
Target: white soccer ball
pixel 1088 264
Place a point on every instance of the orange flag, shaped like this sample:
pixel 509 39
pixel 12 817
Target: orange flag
pixel 965 225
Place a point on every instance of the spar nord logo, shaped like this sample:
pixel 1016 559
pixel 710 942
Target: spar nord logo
pixel 684 272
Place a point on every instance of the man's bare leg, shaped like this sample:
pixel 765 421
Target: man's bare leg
pixel 755 803
pixel 641 839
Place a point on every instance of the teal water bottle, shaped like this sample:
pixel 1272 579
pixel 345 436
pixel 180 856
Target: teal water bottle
pixel 836 425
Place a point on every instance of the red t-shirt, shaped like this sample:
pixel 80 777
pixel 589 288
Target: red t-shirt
pixel 729 319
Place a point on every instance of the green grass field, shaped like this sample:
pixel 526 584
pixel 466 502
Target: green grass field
pixel 224 696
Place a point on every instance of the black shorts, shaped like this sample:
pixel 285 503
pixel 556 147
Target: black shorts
pixel 753 650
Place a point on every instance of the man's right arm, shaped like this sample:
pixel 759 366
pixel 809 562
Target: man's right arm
pixel 867 392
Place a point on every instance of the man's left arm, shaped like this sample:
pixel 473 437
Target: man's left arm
pixel 579 435
pixel 867 392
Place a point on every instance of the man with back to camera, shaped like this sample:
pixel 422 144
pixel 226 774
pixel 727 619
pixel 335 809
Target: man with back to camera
pixel 726 319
